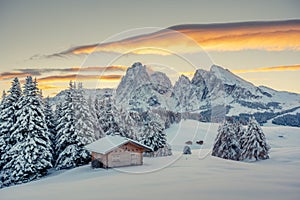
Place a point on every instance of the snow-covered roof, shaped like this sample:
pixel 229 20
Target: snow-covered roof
pixel 109 143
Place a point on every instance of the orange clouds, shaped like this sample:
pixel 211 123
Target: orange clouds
pixel 268 69
pixel 269 36
pixel 106 74
pixel 11 75
pixel 50 87
pixel 95 69
pixel 76 77
pixel 20 73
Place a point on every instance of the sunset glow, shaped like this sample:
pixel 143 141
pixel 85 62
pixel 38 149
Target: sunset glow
pixel 269 36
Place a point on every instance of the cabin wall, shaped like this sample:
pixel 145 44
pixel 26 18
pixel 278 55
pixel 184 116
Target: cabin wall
pixel 126 155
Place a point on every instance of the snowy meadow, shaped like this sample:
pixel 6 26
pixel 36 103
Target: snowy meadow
pixel 195 176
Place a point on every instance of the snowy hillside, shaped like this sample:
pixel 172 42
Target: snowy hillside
pixel 198 176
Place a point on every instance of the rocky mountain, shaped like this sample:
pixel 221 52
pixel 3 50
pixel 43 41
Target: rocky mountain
pixel 139 90
pixel 208 96
pixel 212 94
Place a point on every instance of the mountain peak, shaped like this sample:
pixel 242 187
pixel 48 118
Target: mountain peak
pixel 137 64
pixel 137 68
pixel 135 76
pixel 198 79
pixel 184 79
pixel 229 78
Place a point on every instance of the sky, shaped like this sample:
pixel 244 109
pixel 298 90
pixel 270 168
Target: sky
pixel 95 41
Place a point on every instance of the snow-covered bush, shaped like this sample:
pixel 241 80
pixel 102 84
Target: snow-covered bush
pixel 187 150
pixel 97 164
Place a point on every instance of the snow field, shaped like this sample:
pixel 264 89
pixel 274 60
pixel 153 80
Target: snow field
pixel 187 177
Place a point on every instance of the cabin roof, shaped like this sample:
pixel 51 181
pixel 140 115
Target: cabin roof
pixel 109 143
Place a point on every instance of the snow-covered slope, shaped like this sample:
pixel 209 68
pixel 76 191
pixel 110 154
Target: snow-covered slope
pixel 196 176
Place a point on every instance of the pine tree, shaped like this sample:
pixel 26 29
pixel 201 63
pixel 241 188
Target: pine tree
pixel 108 113
pixel 239 130
pixel 69 145
pixel 58 112
pixel 83 118
pixel 8 119
pixel 227 143
pixel 31 154
pixel 51 125
pixel 127 126
pixel 253 141
pixel 3 97
pixel 99 133
pixel 3 105
pixel 153 135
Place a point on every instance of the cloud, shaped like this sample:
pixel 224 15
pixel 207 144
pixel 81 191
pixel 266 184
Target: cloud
pixel 264 35
pixel 39 71
pixel 76 77
pixel 268 69
pixel 11 75
pixel 50 87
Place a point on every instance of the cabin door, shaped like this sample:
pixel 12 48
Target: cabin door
pixel 134 159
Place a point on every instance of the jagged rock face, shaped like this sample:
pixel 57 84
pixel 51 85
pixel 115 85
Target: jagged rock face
pixel 201 89
pixel 182 90
pixel 140 91
pixel 161 83
pixel 190 94
pixel 209 91
pixel 136 77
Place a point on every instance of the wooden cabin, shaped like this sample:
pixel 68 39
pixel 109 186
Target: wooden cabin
pixel 117 151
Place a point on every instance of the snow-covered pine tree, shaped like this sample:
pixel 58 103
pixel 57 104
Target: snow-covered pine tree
pixel 51 125
pixel 253 142
pixel 8 119
pixel 227 144
pixel 153 135
pixel 107 113
pixel 2 138
pixel 58 111
pixel 31 154
pixel 96 126
pixel 83 118
pixel 69 145
pixel 3 96
pixel 127 126
pixel 239 129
